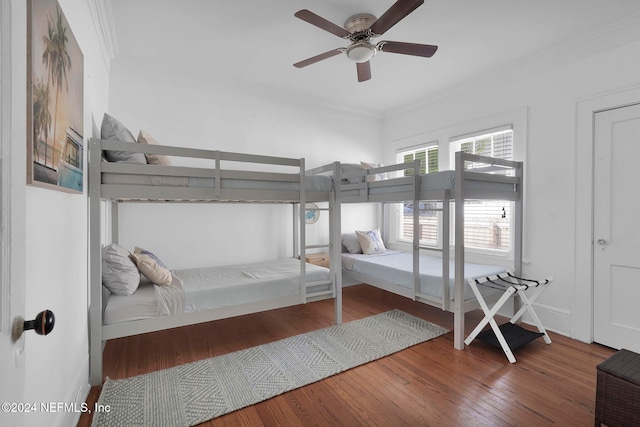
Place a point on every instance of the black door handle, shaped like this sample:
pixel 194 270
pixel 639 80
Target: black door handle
pixel 42 324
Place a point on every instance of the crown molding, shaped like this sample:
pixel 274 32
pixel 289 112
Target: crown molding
pixel 599 40
pixel 105 29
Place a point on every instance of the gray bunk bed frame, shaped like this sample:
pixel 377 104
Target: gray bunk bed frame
pixel 114 194
pixel 492 187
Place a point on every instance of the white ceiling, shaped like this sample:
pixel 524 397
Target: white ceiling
pixel 258 41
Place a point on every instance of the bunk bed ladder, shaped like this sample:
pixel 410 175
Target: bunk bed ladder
pixel 331 288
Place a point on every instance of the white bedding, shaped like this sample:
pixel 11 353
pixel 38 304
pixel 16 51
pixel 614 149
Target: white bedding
pixel 137 306
pixel 213 287
pixel 443 180
pixel 319 183
pixel 397 267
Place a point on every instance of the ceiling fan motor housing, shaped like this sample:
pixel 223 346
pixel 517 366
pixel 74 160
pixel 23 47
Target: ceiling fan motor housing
pixel 361 49
pixel 359 22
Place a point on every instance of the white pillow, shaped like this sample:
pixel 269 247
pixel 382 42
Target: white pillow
pixel 351 243
pixel 371 242
pixel 352 167
pixel 381 176
pixel 151 269
pixel 119 274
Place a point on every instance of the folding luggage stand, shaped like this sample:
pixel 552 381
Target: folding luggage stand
pixel 509 335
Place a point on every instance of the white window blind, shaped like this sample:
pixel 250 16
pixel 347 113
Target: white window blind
pixel 428 156
pixel 429 233
pixel 488 223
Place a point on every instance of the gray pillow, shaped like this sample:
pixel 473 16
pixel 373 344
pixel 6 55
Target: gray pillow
pixel 352 167
pixel 112 129
pixel 351 243
pixel 119 274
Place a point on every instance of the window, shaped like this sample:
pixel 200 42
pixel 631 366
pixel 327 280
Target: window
pixel 487 222
pixel 429 218
pixel 496 143
pixel 427 155
pixel 70 154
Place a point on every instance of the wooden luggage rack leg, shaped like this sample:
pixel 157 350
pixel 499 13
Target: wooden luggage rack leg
pixel 515 335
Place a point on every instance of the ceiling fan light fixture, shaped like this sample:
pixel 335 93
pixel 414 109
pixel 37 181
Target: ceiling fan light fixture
pixel 361 52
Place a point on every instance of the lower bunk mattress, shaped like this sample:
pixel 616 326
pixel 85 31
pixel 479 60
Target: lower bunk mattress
pixel 397 267
pixel 212 287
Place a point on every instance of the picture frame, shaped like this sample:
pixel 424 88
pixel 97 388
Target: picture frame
pixel 55 100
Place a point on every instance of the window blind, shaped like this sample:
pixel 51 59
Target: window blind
pixel 429 219
pixel 488 223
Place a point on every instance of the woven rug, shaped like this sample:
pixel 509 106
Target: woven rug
pixel 196 392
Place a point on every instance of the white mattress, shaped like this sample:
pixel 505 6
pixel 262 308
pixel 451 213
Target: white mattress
pixel 397 267
pixel 138 306
pixel 444 180
pixel 318 183
pixel 213 287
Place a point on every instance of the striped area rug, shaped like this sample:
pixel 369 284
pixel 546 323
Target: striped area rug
pixel 196 392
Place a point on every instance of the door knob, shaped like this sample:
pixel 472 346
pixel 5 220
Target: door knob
pixel 602 241
pixel 42 324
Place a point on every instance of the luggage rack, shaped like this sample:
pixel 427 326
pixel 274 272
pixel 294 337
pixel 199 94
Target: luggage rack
pixel 508 336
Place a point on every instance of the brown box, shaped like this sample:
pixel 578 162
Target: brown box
pixel 321 259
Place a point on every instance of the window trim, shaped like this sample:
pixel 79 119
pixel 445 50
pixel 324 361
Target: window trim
pixel 443 129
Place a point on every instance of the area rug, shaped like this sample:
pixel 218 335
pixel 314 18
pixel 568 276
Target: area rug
pixel 196 392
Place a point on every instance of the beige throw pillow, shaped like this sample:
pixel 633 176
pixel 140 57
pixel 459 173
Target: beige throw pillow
pixel 153 159
pixel 151 269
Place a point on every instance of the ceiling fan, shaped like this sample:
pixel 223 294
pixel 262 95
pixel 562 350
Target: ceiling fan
pixel 360 30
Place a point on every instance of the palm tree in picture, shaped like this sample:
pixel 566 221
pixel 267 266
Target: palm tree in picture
pixel 57 60
pixel 41 116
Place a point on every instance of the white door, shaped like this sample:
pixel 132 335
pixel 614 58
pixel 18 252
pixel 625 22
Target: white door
pixel 12 371
pixel 616 247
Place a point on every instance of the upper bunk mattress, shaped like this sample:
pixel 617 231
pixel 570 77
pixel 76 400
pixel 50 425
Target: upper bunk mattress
pixel 316 183
pixel 397 267
pixel 436 181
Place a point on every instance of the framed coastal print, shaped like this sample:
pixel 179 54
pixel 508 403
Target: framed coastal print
pixel 55 86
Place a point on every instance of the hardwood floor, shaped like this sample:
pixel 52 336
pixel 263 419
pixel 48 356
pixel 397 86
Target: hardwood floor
pixel 428 384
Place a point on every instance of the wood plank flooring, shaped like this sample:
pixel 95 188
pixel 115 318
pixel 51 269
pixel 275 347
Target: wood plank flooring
pixel 430 384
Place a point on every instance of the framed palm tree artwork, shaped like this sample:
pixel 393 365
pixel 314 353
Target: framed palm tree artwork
pixel 55 108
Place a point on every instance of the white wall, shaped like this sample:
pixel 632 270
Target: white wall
pixel 543 105
pixel 55 247
pixel 182 111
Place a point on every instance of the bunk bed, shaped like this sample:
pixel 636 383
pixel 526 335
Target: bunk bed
pixel 223 177
pixel 417 275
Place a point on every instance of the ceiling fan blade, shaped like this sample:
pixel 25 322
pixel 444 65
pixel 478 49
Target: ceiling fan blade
pixel 394 14
pixel 364 71
pixel 318 58
pixel 415 49
pixel 320 22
